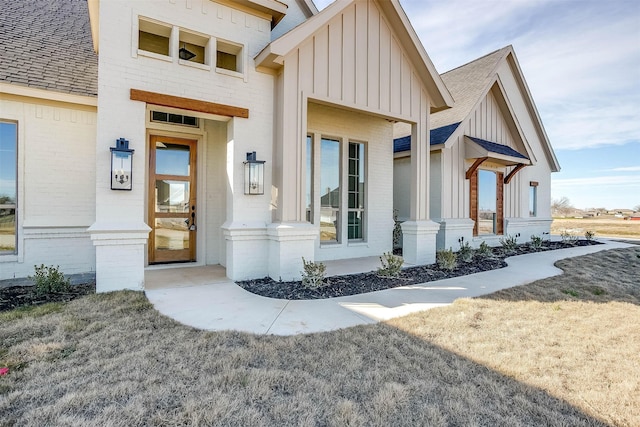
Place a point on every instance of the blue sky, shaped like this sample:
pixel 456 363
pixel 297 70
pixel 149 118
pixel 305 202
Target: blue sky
pixel 581 60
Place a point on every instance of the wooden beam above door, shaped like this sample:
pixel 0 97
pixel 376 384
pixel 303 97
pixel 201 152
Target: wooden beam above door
pixel 188 104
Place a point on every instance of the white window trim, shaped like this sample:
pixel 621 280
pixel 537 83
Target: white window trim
pixel 18 256
pixel 344 241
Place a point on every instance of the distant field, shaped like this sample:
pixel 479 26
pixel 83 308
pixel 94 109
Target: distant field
pixel 603 227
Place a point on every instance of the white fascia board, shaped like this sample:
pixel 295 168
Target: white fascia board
pixel 50 95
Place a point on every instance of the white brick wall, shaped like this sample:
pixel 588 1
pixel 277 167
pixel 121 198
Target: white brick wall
pixel 377 134
pixel 56 176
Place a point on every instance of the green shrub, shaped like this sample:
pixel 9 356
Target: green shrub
pixel 391 265
pixel 589 235
pixel 49 279
pixel 447 259
pixel 465 254
pixel 313 274
pixel 536 242
pixel 484 251
pixel 568 238
pixel 509 243
pixel 397 230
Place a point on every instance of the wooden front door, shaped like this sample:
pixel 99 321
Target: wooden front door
pixel 172 200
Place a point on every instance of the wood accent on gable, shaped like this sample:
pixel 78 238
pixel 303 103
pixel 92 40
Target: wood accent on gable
pixel 188 104
pixel 474 167
pixel 513 172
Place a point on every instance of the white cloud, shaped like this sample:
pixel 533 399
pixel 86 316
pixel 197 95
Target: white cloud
pixel 626 169
pixel 598 181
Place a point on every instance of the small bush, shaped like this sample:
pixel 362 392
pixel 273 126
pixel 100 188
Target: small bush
pixel 536 242
pixel 484 251
pixel 509 243
pixel 447 259
pixel 568 238
pixel 589 235
pixel 49 279
pixel 313 274
pixel 391 265
pixel 571 292
pixel 465 254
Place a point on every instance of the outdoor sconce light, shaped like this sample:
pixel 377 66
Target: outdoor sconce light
pixel 185 53
pixel 253 175
pixel 121 164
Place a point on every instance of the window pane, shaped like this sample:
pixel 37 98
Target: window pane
pixel 356 191
pixel 533 202
pixel 8 186
pixel 153 43
pixel 172 159
pixel 309 182
pixel 329 225
pixel 487 209
pixel 356 221
pixel 172 196
pixel 171 234
pixel 330 185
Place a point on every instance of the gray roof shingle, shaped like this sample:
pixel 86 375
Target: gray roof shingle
pixel 494 147
pixel 436 137
pixel 46 44
pixel 466 84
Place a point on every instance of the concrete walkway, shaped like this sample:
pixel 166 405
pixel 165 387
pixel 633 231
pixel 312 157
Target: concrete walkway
pixel 222 305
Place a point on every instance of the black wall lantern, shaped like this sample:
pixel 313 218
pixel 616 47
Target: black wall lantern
pixel 253 175
pixel 121 165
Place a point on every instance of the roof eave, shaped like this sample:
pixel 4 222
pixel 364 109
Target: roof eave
pixel 94 20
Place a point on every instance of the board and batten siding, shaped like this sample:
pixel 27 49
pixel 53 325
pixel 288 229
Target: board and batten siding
pixel 355 60
pixel 486 122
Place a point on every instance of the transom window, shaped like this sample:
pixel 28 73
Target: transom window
pixel 176 119
pixel 8 186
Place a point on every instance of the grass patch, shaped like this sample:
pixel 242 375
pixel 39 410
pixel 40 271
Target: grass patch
pixel 525 356
pixel 31 311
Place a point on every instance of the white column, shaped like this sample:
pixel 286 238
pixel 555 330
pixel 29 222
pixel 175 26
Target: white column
pixel 419 233
pixel 290 236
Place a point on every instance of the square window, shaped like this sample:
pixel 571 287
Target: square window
pixel 154 37
pixel 229 56
pixel 193 47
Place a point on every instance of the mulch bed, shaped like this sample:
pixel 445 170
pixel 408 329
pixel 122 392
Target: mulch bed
pixel 21 296
pixel 336 286
pixel 352 284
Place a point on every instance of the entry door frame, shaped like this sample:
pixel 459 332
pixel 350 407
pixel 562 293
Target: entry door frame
pixel 189 255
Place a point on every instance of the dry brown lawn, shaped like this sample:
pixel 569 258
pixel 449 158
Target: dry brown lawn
pixel 533 355
pixel 602 226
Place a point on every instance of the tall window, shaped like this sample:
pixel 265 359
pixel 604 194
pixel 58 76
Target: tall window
pixel 8 186
pixel 533 198
pixel 309 180
pixel 330 191
pixel 355 219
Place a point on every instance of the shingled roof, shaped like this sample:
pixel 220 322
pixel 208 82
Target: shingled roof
pixel 467 84
pixel 436 137
pixel 46 44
